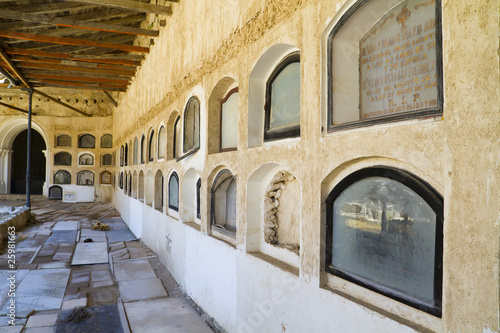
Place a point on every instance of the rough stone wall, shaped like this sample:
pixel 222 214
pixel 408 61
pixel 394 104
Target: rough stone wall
pixel 458 155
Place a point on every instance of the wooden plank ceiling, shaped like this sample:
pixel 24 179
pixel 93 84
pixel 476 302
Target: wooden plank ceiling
pixel 84 44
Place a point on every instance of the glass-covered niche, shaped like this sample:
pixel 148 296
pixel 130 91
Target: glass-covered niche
pixel 192 125
pixel 173 192
pixel 63 140
pixel 85 177
pixel 62 158
pixel 385 67
pixel 86 141
pixel 86 159
pixel 229 121
pixel 106 177
pixel 62 177
pixel 223 203
pixel 282 118
pixel 384 232
pixel 107 141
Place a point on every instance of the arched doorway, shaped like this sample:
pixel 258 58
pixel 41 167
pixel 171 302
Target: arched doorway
pixel 18 167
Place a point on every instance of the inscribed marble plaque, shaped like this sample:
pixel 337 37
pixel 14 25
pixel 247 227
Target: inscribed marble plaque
pixel 398 61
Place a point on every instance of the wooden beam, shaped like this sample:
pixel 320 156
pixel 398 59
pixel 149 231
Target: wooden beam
pixel 74 68
pixel 77 63
pixel 108 95
pixel 6 58
pixel 131 5
pixel 71 41
pixel 8 14
pixel 99 86
pixel 76 78
pixel 14 108
pixel 65 85
pixel 60 103
pixel 85 58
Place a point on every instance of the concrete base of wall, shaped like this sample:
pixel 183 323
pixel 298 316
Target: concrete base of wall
pixel 18 222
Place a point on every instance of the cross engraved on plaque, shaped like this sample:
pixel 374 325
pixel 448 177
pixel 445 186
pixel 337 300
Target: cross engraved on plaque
pixel 403 17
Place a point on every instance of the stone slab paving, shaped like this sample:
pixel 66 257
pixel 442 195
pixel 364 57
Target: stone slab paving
pixel 40 290
pixel 172 315
pixel 133 270
pixel 90 253
pixel 53 288
pixel 136 290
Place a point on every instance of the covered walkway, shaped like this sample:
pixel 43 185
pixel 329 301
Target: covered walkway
pixel 70 278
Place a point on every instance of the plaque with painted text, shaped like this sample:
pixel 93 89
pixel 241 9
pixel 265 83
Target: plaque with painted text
pixel 398 62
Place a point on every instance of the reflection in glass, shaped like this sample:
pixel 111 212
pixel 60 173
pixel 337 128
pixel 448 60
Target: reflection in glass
pixel 285 98
pixel 173 192
pixel 86 141
pixel 62 177
pixel 62 158
pixel 86 159
pixel 85 177
pixel 229 123
pixel 107 141
pixel 63 140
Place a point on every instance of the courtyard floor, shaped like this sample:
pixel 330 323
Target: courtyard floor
pixel 67 283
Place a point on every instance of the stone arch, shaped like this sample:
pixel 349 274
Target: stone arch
pixel 172 140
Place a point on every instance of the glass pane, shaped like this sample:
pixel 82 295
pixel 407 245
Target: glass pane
pixel 161 143
pixel 230 122
pixel 86 159
pixel 230 222
pixel 87 141
pixel 63 141
pixel 136 150
pixel 55 192
pixel 143 148
pixel 86 178
pixel 107 159
pixel 62 159
pixel 62 177
pixel 191 119
pixel 385 232
pixel 151 146
pixel 285 98
pixel 106 177
pixel 173 193
pixel 106 141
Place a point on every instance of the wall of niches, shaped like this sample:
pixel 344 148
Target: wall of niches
pixel 279 204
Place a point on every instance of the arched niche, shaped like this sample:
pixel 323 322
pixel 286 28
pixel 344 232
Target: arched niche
pixel 189 196
pixel 257 90
pixel 173 132
pixel 274 206
pixel 159 190
pixel 219 92
pixel 150 188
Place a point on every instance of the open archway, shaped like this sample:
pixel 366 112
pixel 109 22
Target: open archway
pixel 19 159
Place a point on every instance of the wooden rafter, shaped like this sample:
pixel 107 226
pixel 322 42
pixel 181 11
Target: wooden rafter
pixel 71 41
pixel 76 78
pixel 56 55
pixel 8 14
pixel 74 68
pixel 76 63
pixel 6 58
pixel 82 85
pixel 131 5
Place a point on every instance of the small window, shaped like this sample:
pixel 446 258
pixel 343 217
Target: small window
pixel 86 141
pixel 63 140
pixel 86 159
pixel 85 177
pixel 176 138
pixel 192 125
pixel 161 143
pixel 106 159
pixel 198 197
pixel 136 151
pixel 107 141
pixel 62 158
pixel 151 147
pixel 122 155
pixel 384 232
pixel 223 203
pixel 173 192
pixel 229 121
pixel 106 177
pixel 125 159
pixel 282 108
pixel 62 177
pixel 129 184
pixel 143 149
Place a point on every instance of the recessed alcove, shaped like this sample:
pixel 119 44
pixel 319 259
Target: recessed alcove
pixel 188 202
pixel 149 188
pixel 274 214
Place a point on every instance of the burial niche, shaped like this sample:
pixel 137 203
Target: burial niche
pixel 282 212
pixel 384 232
pixel 85 177
pixel 223 201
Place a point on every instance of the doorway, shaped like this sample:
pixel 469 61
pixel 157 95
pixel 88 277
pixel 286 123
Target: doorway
pixel 19 160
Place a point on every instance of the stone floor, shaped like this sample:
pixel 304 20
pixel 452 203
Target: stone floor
pixel 67 283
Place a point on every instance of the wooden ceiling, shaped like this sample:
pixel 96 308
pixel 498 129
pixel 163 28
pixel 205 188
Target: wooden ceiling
pixel 78 44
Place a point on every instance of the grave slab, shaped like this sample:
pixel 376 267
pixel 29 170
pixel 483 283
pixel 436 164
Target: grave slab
pixel 133 270
pixel 66 225
pixel 41 289
pixel 103 319
pixel 42 320
pixel 173 315
pixel 4 283
pixel 120 235
pixel 90 253
pixel 61 237
pixel 136 290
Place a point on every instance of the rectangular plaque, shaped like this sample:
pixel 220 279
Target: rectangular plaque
pixel 398 62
